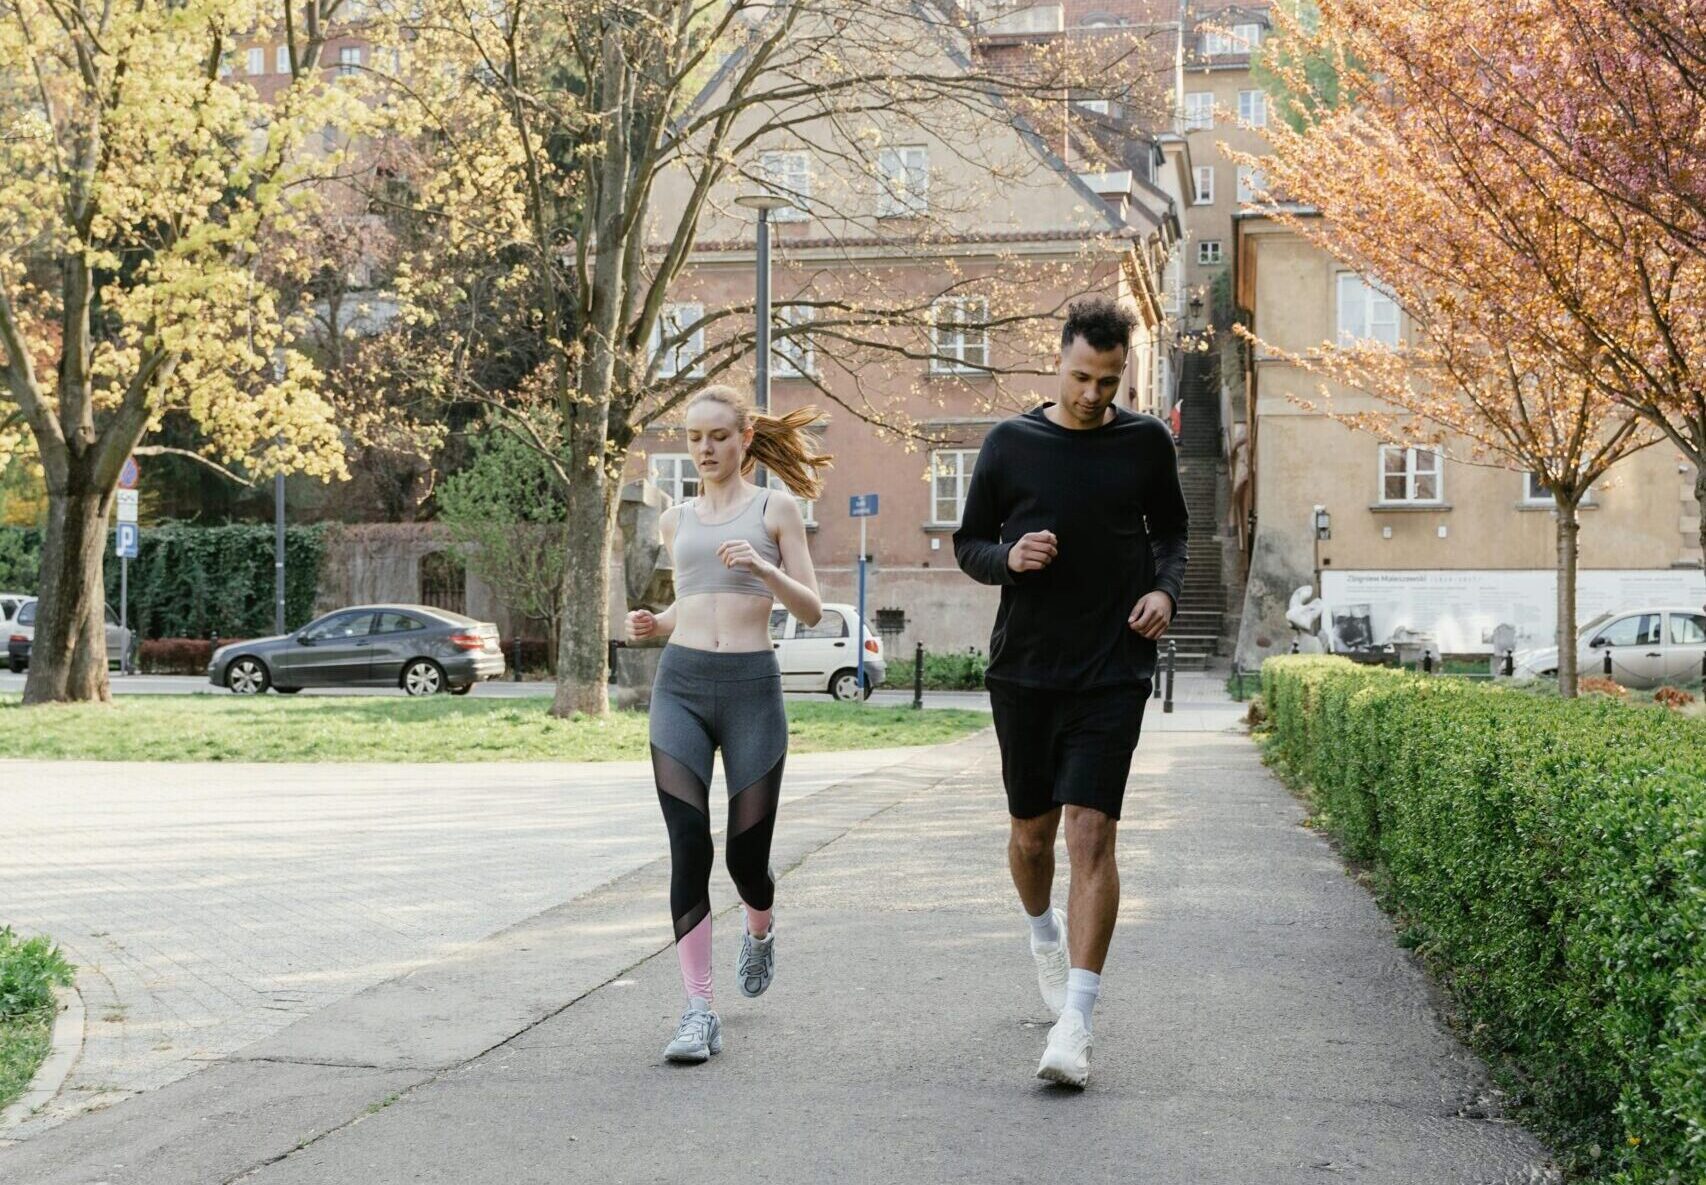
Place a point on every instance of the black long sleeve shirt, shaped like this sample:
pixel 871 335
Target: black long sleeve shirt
pixel 1111 496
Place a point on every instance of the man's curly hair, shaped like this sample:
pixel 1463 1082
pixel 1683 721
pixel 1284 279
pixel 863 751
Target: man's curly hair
pixel 1102 322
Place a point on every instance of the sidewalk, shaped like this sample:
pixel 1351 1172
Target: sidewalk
pixel 1259 1026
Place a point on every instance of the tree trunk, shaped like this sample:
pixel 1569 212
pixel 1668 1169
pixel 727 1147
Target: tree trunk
pixel 1700 504
pixel 68 657
pixel 1569 527
pixel 583 646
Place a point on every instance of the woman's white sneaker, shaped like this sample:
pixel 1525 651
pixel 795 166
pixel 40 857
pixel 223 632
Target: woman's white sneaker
pixel 1067 1058
pixel 699 1035
pixel 1053 964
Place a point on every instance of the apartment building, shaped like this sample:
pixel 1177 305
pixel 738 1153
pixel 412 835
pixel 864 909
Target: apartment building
pixel 1418 541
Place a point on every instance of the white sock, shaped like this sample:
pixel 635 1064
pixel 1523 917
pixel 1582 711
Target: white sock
pixel 1082 988
pixel 1044 931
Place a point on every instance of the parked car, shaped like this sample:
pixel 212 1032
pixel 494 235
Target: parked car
pixel 824 657
pixel 1648 648
pixel 21 632
pixel 419 649
pixel 10 603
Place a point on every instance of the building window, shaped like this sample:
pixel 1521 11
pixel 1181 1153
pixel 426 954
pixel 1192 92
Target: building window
pixel 960 335
pixel 1365 312
pixel 227 63
pixel 349 59
pixel 950 476
pixel 905 176
pixel 1242 39
pixel 255 62
pixel 789 175
pixel 1094 106
pixel 792 355
pixel 676 475
pixel 1410 474
pixel 1253 108
pixel 281 59
pixel 686 356
pixel 1175 282
pixel 1205 185
pixel 1199 110
pixel 1536 494
pixel 1208 251
pixel 1251 183
pixel 808 506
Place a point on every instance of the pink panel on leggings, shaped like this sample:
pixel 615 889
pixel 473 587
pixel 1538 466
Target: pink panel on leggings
pixel 694 951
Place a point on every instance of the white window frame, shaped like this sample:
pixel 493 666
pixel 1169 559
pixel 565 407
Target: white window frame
pixel 1530 497
pixel 954 348
pixel 349 60
pixel 1216 42
pixel 1095 106
pixel 904 172
pixel 1253 108
pixel 281 59
pixel 227 63
pixel 1251 181
pixel 1174 281
pixel 793 357
pixel 954 465
pixel 1199 110
pixel 691 352
pixel 1381 319
pixel 1210 253
pixel 808 506
pixel 1410 470
pixel 788 172
pixel 1204 195
pixel 255 61
pixel 671 473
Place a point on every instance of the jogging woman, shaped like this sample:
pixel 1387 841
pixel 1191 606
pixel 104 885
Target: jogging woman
pixel 737 550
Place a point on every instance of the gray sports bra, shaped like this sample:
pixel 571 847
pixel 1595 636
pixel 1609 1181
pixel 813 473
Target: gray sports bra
pixel 698 568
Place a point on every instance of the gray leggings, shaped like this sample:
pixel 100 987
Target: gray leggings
pixel 702 701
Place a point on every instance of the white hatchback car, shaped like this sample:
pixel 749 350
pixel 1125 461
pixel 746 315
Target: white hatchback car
pixel 21 632
pixel 1647 647
pixel 824 657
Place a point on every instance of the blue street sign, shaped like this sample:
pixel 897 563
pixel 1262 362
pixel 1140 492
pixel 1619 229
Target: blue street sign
pixel 129 475
pixel 862 505
pixel 127 537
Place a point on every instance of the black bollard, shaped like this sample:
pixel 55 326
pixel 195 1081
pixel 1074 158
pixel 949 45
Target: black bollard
pixel 1427 662
pixel 515 667
pixel 1510 663
pixel 1296 646
pixel 1237 681
pixel 918 676
pixel 1608 662
pixel 1172 662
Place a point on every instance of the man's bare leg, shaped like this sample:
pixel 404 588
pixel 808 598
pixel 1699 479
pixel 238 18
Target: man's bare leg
pixel 1030 857
pixel 1094 903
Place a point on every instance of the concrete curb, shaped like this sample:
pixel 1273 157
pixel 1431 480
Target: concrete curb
pixel 61 1056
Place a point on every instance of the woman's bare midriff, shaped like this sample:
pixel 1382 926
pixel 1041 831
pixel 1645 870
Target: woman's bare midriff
pixel 728 622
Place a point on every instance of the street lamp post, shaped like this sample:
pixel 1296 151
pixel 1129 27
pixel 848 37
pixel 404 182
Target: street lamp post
pixel 765 204
pixel 278 370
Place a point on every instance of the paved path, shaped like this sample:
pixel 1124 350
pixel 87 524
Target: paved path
pixel 1259 1026
pixel 208 906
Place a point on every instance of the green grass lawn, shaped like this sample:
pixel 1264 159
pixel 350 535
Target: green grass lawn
pixel 24 1042
pixel 440 728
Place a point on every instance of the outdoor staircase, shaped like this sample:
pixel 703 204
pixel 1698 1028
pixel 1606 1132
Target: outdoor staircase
pixel 1200 621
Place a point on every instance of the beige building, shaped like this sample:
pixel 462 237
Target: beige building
pixel 1421 542
pixel 976 229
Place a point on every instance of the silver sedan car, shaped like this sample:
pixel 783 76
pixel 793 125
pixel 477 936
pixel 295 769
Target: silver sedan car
pixel 1645 648
pixel 422 650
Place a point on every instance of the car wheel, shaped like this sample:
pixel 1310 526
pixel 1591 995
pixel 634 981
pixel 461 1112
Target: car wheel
pixel 18 668
pixel 423 677
pixel 247 676
pixel 462 690
pixel 844 686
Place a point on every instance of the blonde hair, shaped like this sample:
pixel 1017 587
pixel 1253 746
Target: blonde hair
pixel 779 443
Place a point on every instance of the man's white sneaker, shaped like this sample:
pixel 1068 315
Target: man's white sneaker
pixel 1053 963
pixel 1067 1058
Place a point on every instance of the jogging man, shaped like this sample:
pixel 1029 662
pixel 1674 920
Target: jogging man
pixel 1075 511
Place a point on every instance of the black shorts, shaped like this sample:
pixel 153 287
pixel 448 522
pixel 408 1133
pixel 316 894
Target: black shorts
pixel 1066 747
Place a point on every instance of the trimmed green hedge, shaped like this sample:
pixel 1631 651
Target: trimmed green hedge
pixel 1549 857
pixel 188 581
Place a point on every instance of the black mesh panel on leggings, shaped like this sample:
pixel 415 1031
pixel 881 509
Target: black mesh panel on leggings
pixel 686 812
pixel 752 819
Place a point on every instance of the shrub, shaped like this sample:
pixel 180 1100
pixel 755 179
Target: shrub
pixel 952 671
pixel 1548 857
pixel 177 656
pixel 1672 697
pixel 29 970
